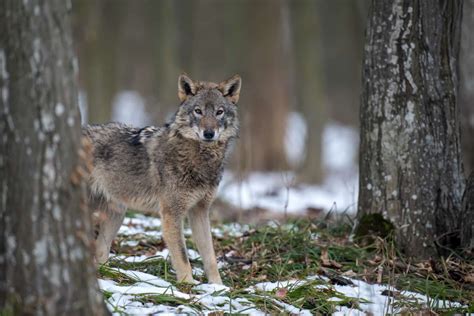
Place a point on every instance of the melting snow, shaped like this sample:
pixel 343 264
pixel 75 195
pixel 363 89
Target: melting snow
pixel 295 138
pixel 274 191
pixel 129 108
pixel 131 299
pixel 277 192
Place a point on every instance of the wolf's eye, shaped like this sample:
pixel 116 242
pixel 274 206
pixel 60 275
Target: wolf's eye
pixel 198 111
pixel 219 112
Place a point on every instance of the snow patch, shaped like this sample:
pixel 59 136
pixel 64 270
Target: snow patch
pixel 273 191
pixel 129 108
pixel 193 254
pixel 270 286
pixel 215 298
pixel 295 138
pixel 140 288
pixel 340 148
pixel 211 288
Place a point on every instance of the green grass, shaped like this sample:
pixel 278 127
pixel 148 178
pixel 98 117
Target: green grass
pixel 294 251
pixel 105 272
pixel 170 301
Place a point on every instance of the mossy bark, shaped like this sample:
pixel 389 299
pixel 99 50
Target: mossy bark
pixel 410 161
pixel 371 226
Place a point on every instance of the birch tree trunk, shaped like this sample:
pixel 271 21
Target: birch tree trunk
pixel 410 160
pixel 45 261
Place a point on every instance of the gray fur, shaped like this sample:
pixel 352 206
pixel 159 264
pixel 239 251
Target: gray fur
pixel 171 169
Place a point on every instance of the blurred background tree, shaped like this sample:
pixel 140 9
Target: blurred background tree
pixel 299 60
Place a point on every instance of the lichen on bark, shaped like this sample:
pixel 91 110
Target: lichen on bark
pixel 45 261
pixel 410 166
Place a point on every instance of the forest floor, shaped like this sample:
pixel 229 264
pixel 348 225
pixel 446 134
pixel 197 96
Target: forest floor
pixel 306 266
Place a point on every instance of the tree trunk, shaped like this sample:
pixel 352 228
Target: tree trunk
pixel 45 261
pixel 466 89
pixel 466 105
pixel 341 54
pixel 467 220
pixel 96 38
pixel 410 161
pixel 266 90
pixel 308 86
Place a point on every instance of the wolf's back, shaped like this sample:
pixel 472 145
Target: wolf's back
pixel 120 159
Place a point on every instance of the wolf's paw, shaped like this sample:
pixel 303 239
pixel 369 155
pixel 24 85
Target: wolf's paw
pixel 187 280
pixel 215 279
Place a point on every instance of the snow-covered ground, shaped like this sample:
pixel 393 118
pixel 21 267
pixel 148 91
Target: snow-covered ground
pixel 278 192
pixel 131 299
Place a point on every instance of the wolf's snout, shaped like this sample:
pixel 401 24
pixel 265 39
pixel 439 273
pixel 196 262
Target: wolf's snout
pixel 208 134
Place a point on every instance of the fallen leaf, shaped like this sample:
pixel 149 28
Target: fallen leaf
pixel 349 273
pixel 326 262
pixel 469 278
pixel 261 277
pixel 325 257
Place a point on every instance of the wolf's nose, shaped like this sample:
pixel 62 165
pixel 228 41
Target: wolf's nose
pixel 208 134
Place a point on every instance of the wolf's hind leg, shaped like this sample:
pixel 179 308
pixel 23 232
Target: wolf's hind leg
pixel 172 223
pixel 110 221
pixel 200 225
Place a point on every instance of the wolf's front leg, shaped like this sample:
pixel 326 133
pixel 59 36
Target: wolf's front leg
pixel 172 223
pixel 200 225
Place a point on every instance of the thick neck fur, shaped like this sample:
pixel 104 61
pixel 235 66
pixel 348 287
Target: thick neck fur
pixel 192 162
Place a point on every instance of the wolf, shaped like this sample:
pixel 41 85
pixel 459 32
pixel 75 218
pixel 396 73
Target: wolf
pixel 174 170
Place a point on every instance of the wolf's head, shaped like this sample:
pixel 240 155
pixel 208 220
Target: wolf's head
pixel 208 111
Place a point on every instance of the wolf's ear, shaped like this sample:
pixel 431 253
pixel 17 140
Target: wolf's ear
pixel 186 87
pixel 231 88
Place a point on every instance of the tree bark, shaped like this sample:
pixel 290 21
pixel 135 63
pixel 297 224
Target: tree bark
pixel 467 220
pixel 45 260
pixel 466 89
pixel 410 161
